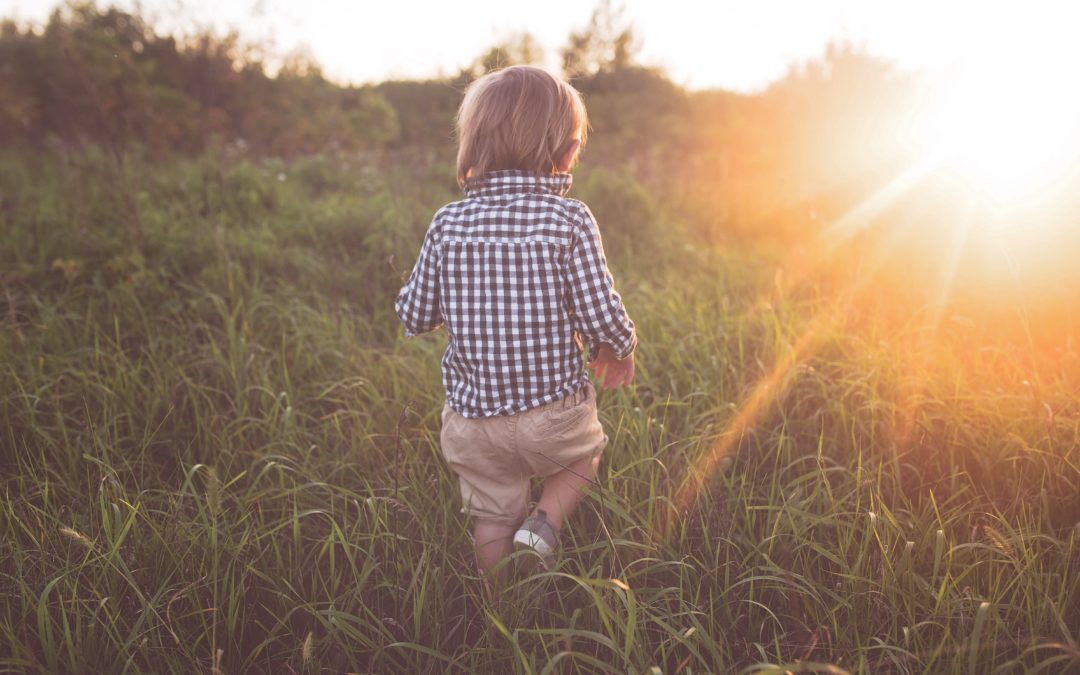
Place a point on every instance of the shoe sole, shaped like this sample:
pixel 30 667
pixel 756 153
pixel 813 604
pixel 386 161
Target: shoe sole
pixel 525 539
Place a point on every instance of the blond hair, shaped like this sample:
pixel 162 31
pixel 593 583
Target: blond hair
pixel 521 117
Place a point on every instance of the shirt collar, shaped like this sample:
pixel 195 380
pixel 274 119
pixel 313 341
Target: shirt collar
pixel 512 181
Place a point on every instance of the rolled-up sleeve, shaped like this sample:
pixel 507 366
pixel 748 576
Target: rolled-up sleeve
pixel 596 309
pixel 417 303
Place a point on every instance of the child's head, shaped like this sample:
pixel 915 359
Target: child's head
pixel 521 117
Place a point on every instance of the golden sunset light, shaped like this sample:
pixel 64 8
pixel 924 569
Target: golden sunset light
pixel 1007 122
pixel 626 336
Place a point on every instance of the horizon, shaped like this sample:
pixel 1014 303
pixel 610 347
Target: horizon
pixel 741 48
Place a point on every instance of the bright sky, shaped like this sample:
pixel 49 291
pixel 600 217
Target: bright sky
pixel 734 45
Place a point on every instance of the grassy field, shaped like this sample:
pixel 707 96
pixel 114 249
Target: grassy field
pixel 219 455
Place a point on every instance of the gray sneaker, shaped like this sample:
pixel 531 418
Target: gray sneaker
pixel 536 533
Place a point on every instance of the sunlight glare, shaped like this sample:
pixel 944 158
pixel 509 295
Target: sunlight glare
pixel 1006 122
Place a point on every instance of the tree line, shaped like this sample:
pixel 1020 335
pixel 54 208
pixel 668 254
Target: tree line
pixel 106 77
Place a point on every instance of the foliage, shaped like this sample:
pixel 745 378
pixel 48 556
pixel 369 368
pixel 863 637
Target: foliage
pixel 104 76
pixel 424 110
pixel 521 49
pixel 606 44
pixel 218 453
pixel 812 142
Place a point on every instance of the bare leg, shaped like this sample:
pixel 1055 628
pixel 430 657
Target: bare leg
pixel 493 542
pixel 563 490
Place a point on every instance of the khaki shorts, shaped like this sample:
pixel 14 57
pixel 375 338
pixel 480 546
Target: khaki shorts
pixel 494 457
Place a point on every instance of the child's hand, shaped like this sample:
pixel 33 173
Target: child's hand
pixel 612 372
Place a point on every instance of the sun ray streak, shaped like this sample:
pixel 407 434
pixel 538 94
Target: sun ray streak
pixel 767 389
pixel 764 393
pixel 864 213
pixel 951 262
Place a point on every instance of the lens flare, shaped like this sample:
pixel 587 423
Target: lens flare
pixel 1006 121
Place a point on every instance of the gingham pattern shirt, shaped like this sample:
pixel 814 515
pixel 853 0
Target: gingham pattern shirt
pixel 515 271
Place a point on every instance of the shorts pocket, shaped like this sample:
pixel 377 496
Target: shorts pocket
pixel 557 421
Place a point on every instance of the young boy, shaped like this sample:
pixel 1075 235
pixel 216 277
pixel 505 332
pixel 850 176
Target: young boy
pixel 516 272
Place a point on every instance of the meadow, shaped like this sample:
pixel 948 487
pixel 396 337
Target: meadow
pixel 220 455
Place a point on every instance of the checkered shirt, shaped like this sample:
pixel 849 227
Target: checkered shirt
pixel 516 272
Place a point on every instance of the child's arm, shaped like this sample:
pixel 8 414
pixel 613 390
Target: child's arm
pixel 596 309
pixel 417 304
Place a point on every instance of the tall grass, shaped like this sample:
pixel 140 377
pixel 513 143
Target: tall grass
pixel 218 454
